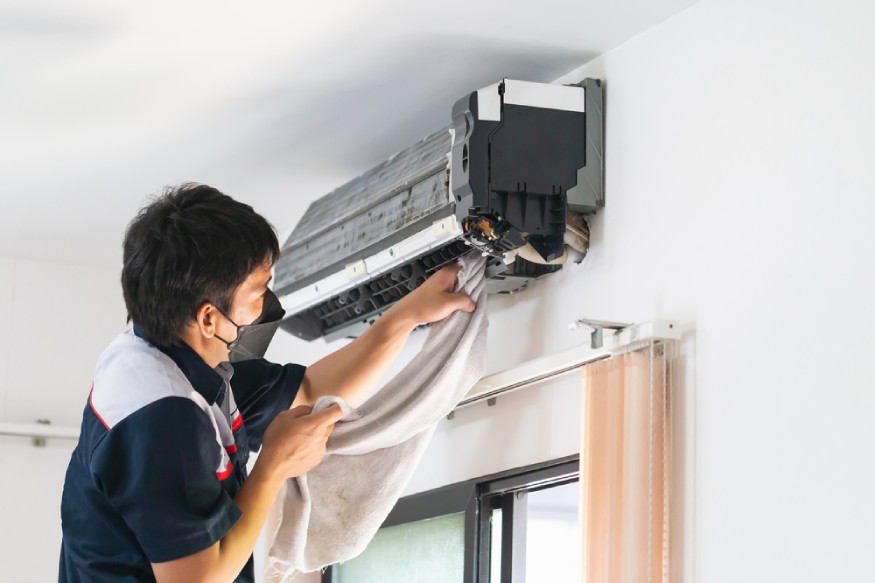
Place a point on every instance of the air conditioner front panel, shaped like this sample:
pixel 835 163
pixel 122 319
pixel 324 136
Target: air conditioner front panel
pixel 385 205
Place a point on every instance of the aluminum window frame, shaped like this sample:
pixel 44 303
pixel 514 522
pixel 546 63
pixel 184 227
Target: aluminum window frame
pixel 477 498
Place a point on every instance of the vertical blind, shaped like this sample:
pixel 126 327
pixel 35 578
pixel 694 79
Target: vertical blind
pixel 626 435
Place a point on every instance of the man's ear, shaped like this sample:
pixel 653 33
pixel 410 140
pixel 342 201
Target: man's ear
pixel 206 319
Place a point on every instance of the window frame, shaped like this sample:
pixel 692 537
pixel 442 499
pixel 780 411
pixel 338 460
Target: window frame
pixel 477 498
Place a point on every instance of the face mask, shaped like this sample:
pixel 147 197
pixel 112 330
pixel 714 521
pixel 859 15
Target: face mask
pixel 252 339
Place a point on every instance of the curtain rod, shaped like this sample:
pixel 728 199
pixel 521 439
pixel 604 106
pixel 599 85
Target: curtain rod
pixel 38 430
pixel 606 338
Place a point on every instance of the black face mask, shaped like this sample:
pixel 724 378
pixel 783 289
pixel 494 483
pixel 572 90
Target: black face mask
pixel 252 339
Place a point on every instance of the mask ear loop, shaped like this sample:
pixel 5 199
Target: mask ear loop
pixel 228 344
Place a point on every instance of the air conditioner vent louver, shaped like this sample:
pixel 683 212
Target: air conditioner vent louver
pixel 365 302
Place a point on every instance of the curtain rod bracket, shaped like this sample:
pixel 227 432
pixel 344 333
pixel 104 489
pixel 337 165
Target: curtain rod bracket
pixel 595 328
pixel 40 441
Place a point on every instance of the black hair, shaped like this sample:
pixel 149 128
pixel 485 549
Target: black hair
pixel 189 245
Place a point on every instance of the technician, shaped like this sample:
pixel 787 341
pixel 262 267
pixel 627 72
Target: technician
pixel 157 488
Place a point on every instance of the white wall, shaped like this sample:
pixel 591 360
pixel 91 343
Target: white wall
pixel 740 197
pixel 56 319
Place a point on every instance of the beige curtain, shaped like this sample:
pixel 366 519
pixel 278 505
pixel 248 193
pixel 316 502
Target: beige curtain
pixel 625 468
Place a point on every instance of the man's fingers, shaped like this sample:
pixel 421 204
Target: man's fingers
pixel 328 416
pixel 448 276
pixel 301 410
pixel 464 302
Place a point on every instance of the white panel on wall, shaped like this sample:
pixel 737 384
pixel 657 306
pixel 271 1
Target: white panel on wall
pixel 7 278
pixel 30 503
pixel 57 319
pixel 63 317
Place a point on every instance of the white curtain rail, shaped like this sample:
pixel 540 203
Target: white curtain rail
pixel 38 430
pixel 606 339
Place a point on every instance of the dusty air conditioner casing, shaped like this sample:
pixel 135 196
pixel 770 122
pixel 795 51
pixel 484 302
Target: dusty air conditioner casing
pixel 513 176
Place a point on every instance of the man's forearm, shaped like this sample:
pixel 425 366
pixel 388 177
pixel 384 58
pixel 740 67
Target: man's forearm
pixel 224 560
pixel 354 371
pixel 254 500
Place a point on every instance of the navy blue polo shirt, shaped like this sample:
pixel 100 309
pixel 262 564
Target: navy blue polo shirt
pixel 162 452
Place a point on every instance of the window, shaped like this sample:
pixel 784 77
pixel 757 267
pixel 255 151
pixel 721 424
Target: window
pixel 520 525
pixel 553 542
pixel 424 551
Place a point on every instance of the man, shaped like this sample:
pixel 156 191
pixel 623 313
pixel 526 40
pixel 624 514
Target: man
pixel 157 488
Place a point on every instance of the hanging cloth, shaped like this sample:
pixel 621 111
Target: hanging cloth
pixel 330 514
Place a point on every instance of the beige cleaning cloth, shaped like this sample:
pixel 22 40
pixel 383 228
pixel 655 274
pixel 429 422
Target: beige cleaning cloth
pixel 331 514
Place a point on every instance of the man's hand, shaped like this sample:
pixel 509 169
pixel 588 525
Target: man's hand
pixel 353 371
pixel 294 443
pixel 434 300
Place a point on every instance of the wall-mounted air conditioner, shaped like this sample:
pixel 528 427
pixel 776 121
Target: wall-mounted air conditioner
pixel 514 177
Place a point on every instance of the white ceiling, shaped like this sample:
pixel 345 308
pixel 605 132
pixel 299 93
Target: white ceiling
pixel 104 102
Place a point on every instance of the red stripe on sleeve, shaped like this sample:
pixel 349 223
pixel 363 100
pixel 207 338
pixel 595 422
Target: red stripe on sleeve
pixel 91 404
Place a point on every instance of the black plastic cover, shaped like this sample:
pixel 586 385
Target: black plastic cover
pixel 510 178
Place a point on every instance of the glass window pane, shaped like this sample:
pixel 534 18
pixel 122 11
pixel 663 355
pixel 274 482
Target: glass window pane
pixel 427 551
pixel 495 547
pixel 553 535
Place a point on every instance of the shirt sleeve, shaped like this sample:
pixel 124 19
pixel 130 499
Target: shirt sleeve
pixel 262 389
pixel 157 468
